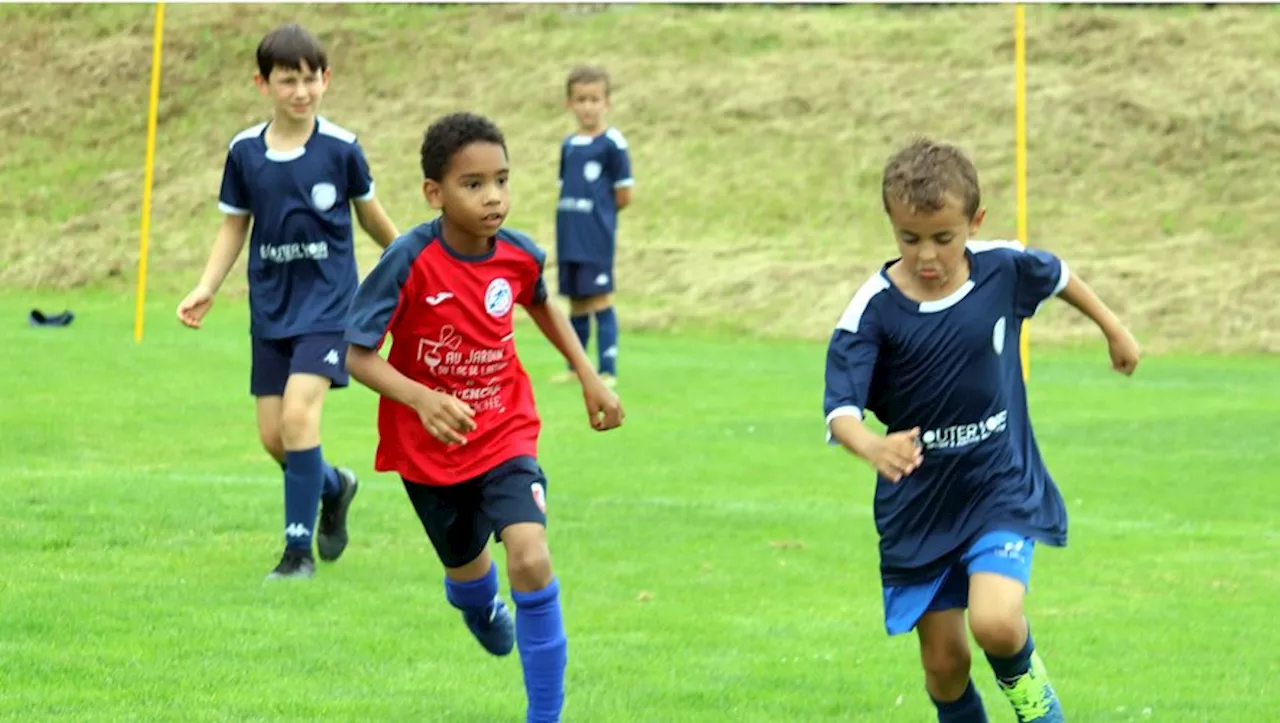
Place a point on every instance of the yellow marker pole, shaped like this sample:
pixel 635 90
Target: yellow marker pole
pixel 1020 154
pixel 157 44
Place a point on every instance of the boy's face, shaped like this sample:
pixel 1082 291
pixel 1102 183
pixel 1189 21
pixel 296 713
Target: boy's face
pixel 474 191
pixel 295 94
pixel 932 243
pixel 588 101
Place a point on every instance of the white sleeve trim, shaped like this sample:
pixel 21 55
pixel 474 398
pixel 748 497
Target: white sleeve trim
pixel 1064 277
pixel 232 210
pixel 625 183
pixel 366 197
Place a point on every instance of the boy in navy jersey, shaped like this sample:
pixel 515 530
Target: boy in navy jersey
pixel 457 419
pixel 297 177
pixel 929 344
pixel 595 184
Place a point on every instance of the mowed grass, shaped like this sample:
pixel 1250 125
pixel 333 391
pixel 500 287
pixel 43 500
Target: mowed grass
pixel 718 561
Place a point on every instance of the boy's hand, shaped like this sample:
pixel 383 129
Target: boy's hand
pixel 1124 351
pixel 195 306
pixel 897 455
pixel 445 416
pixel 604 410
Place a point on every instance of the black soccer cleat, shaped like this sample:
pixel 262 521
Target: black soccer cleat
pixel 295 564
pixel 331 534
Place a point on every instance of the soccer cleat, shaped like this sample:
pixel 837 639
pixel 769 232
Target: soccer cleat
pixel 331 533
pixel 564 377
pixel 1033 699
pixel 295 564
pixel 493 627
pixel 609 380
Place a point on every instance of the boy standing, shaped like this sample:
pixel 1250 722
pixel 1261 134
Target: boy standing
pixel 595 184
pixel 457 419
pixel 930 345
pixel 297 178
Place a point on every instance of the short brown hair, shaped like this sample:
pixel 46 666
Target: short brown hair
pixel 587 74
pixel 289 46
pixel 921 175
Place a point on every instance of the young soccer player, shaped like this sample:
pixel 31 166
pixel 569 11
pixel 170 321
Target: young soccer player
pixel 297 178
pixel 457 419
pixel 595 184
pixel 930 345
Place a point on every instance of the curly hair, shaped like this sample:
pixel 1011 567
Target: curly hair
pixel 452 133
pixel 923 173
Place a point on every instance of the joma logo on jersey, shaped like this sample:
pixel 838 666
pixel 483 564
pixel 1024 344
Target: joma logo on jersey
pixel 963 435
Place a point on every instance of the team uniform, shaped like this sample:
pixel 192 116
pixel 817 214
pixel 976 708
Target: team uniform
pixel 591 168
pixel 302 264
pixel 451 320
pixel 982 497
pixel 452 323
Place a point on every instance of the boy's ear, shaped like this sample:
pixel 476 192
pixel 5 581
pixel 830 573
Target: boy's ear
pixel 431 192
pixel 976 222
pixel 261 82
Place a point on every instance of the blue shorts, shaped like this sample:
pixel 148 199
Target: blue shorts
pixel 1002 553
pixel 581 280
pixel 275 359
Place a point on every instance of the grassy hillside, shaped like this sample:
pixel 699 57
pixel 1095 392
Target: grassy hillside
pixel 758 136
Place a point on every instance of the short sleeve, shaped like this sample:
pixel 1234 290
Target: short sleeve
pixel 535 292
pixel 359 178
pixel 233 198
pixel 852 353
pixel 378 298
pixel 618 160
pixel 561 176
pixel 1041 275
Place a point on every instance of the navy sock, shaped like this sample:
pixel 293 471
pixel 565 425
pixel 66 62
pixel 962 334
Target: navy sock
pixel 303 478
pixel 965 709
pixel 473 595
pixel 332 485
pixel 607 326
pixel 543 651
pixel 582 327
pixel 1010 669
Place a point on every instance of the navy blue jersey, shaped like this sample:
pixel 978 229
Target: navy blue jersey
pixel 951 367
pixel 591 167
pixel 302 264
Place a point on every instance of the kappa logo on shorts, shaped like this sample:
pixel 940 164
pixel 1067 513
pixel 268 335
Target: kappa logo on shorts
pixel 498 299
pixel 331 358
pixel 539 496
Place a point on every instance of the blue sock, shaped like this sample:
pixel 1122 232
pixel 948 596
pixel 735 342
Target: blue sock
pixel 332 485
pixel 582 327
pixel 1010 669
pixel 543 651
pixel 474 595
pixel 607 325
pixel 303 479
pixel 965 709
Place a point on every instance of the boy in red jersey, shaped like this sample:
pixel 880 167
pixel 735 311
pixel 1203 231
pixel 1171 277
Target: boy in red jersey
pixel 457 419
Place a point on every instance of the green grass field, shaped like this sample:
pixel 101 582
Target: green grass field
pixel 718 560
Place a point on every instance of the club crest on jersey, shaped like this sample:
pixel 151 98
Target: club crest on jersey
pixel 324 195
pixel 498 299
pixel 997 336
pixel 591 171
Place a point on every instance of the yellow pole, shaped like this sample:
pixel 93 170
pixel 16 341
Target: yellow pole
pixel 157 44
pixel 1020 145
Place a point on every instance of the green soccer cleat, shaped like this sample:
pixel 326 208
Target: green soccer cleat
pixel 1032 697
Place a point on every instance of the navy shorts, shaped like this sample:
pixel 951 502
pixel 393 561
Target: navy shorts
pixel 581 280
pixel 275 359
pixel 460 518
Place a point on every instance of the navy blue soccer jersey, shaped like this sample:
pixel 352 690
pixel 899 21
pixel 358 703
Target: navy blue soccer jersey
pixel 591 168
pixel 951 367
pixel 302 264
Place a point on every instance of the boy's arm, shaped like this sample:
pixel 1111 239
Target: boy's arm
pixel 1082 297
pixel 619 162
pixel 375 222
pixel 555 326
pixel 226 249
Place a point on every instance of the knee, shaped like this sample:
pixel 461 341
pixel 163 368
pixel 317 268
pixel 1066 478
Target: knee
pixel 947 661
pixel 297 420
pixel 273 443
pixel 529 566
pixel 1001 632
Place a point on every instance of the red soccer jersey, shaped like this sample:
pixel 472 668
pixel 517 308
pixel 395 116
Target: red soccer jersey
pixel 450 318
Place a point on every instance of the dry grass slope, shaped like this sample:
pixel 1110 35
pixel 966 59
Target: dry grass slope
pixel 757 135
